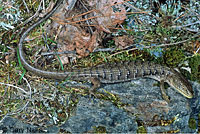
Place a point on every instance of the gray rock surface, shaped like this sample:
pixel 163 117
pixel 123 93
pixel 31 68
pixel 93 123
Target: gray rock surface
pixel 13 125
pixel 142 104
pixel 95 113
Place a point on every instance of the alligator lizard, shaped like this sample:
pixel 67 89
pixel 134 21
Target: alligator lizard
pixel 112 73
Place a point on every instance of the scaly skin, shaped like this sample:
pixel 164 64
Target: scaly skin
pixel 112 73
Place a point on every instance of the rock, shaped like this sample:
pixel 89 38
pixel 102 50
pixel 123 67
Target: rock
pixel 141 105
pixel 13 125
pixel 96 113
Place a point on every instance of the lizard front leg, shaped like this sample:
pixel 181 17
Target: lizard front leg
pixel 163 91
pixel 96 83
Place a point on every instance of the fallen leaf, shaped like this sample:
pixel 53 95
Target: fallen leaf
pixel 123 41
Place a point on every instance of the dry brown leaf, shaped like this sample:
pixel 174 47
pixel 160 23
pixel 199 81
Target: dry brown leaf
pixel 123 41
pixel 76 38
pixel 107 17
pixel 85 44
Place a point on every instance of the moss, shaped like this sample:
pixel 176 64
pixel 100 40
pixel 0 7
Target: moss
pixel 141 129
pixel 194 64
pixel 99 129
pixel 173 57
pixel 192 123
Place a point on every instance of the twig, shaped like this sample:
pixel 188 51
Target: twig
pixel 162 45
pixel 71 4
pixel 30 93
pixel 73 52
pixel 36 14
pixel 104 49
pixel 176 43
pixel 198 15
pixel 187 24
pixel 137 9
pixel 29 86
pixel 197 50
pixel 14 87
pixel 93 17
pixel 43 4
pixel 57 53
pixel 181 16
pixel 86 16
pixel 7 114
pixel 189 29
pixel 94 10
pixel 26 6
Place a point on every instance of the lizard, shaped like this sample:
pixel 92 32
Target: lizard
pixel 112 73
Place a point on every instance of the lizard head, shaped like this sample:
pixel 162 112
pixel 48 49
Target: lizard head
pixel 181 84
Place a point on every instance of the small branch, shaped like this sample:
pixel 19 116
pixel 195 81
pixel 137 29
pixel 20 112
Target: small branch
pixel 94 10
pixel 197 50
pixel 104 49
pixel 86 17
pixel 21 109
pixel 14 87
pixel 55 53
pixel 189 29
pixel 74 53
pixel 187 24
pixel 162 45
pixel 137 9
pixel 26 6
pixel 190 10
pixel 36 14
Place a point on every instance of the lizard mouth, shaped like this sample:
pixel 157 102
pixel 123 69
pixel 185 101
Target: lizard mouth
pixel 181 89
pixel 186 93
